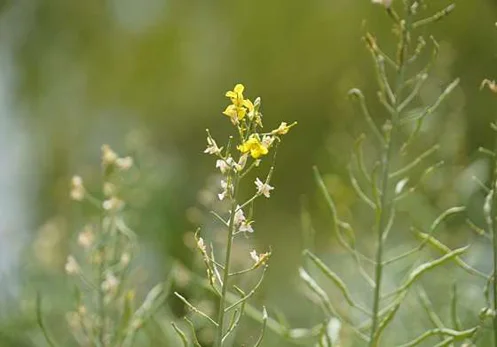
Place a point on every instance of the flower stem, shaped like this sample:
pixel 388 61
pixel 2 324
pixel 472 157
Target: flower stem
pixel 226 272
pixel 386 202
pixel 493 230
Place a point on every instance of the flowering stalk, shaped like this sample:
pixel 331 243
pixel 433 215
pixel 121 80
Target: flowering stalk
pixel 105 315
pixel 490 211
pixel 252 146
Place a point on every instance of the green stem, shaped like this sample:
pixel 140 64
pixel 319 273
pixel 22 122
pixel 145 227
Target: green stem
pixel 493 230
pixel 385 201
pixel 226 272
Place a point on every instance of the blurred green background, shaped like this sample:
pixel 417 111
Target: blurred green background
pixel 148 77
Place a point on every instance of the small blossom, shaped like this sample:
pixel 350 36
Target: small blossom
pixel 86 238
pixel 254 146
pixel 222 165
pixel 72 266
pixel 254 256
pixel 246 227
pixel 227 189
pixel 77 188
pixel 110 283
pixel 239 216
pixel 241 222
pixel 112 204
pixel 283 128
pixel 263 188
pixel 109 157
pixel 267 140
pixel 259 258
pixel 242 162
pixel 124 163
pixel 212 147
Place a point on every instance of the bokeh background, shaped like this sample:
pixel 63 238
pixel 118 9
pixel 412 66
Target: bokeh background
pixel 148 77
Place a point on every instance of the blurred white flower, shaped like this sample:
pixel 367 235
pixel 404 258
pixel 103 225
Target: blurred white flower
pixel 110 283
pixel 124 163
pixel 109 157
pixel 72 266
pixel 86 237
pixel 112 204
pixel 77 189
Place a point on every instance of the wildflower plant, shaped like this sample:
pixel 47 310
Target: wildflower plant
pixel 105 312
pixel 242 154
pixel 382 185
pixel 489 231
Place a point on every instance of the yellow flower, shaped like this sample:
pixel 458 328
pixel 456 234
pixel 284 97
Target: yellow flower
pixel 254 146
pixel 238 109
pixel 236 95
pixel 235 112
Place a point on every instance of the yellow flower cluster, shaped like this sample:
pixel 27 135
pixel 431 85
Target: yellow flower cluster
pixel 239 107
pixel 245 115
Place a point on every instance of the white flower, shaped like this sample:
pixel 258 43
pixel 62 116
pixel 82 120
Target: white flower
pixel 112 204
pixel 259 259
pixel 242 162
pixel 110 283
pixel 267 140
pixel 222 165
pixel 109 157
pixel 263 188
pixel 86 237
pixel 254 256
pixel 239 216
pixel 225 187
pixel 77 188
pixel 124 163
pixel 212 147
pixel 386 3
pixel 246 227
pixel 241 222
pixel 71 266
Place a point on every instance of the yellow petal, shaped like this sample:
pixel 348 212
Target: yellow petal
pixel 230 111
pixel 239 88
pixel 248 104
